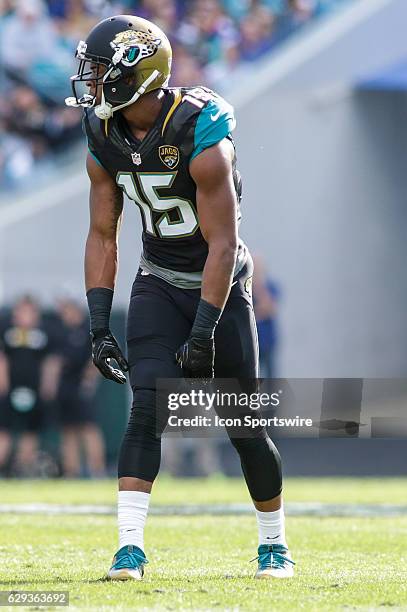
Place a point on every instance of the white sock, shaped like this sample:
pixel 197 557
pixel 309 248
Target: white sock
pixel 271 527
pixel 132 511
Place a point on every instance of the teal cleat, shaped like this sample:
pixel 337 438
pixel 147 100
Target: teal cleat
pixel 274 561
pixel 128 564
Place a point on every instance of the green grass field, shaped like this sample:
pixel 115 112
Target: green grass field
pixel 203 562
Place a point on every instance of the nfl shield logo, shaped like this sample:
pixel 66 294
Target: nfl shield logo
pixel 136 157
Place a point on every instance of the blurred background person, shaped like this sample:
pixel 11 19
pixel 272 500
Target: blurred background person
pixel 76 397
pixel 257 33
pixel 187 68
pixel 44 128
pixel 164 13
pixel 5 437
pixel 265 296
pixel 32 51
pixel 29 372
pixel 28 36
pixel 210 36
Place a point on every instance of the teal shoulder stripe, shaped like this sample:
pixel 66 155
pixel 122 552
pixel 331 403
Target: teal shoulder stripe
pixel 215 122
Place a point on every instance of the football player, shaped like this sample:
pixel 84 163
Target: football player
pixel 169 150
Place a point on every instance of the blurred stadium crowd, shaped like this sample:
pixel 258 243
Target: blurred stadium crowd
pixel 210 38
pixel 52 421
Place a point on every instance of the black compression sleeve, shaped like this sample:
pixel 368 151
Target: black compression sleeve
pixel 100 304
pixel 206 319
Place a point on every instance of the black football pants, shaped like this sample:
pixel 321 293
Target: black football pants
pixel 159 320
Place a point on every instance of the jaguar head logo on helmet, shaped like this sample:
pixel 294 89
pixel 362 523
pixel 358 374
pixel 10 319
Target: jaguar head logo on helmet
pixel 122 58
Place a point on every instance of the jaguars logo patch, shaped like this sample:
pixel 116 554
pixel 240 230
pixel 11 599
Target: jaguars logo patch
pixel 169 155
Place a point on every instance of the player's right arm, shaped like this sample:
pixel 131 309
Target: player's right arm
pixel 106 207
pixel 101 262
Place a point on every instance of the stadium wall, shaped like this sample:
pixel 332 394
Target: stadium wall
pixel 324 200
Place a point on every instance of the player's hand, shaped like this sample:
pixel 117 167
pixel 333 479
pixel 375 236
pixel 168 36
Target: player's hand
pixel 196 357
pixel 104 349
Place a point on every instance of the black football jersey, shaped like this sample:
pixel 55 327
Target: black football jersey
pixel 26 350
pixel 154 172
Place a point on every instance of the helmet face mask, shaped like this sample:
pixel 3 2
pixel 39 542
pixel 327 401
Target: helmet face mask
pixel 122 58
pixel 87 82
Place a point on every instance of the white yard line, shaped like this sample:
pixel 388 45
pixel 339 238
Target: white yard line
pixel 292 509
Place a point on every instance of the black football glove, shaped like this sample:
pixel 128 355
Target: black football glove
pixel 196 357
pixel 104 349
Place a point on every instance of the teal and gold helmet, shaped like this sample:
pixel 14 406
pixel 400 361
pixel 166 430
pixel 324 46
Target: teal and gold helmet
pixel 126 56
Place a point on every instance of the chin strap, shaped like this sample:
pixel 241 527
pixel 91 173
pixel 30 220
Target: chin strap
pixel 105 110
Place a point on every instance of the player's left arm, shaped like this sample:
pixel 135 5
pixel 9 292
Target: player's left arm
pixel 217 211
